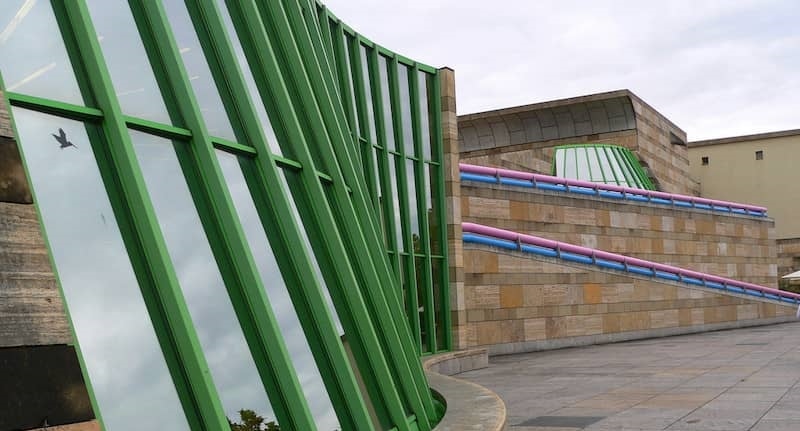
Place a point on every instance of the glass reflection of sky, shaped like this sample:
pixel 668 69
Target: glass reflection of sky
pixel 230 361
pixel 296 343
pixel 368 94
pixel 32 55
pixel 412 202
pixel 387 103
pixel 424 86
pixel 198 71
pixel 127 62
pixel 405 110
pixel 261 111
pixel 119 347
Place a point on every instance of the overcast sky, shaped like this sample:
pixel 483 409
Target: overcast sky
pixel 715 68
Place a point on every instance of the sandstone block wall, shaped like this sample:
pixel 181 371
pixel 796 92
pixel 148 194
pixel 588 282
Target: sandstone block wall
pixel 517 303
pixel 661 146
pixel 731 246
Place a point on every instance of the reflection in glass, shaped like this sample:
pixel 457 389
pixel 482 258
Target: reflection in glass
pixel 221 338
pixel 412 208
pixel 425 84
pixel 419 263
pixel 261 111
pixel 381 196
pixel 436 269
pixel 373 136
pixel 387 103
pixel 582 163
pixel 293 335
pixel 405 110
pixel 310 251
pixel 434 226
pixel 131 74
pixel 33 58
pixel 594 165
pixel 197 69
pixel 126 369
pixel 394 195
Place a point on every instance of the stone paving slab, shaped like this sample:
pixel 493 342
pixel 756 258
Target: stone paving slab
pixel 735 380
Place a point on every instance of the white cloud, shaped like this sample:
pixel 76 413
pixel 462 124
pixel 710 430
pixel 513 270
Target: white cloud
pixel 715 68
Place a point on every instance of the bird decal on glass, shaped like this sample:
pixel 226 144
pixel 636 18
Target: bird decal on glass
pixel 62 139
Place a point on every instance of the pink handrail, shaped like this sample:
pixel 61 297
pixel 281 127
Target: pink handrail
pixel 528 176
pixel 613 257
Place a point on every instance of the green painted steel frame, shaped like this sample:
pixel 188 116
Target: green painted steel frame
pixel 311 97
pixel 634 174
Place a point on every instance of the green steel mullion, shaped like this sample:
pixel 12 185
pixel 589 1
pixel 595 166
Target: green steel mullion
pixel 637 176
pixel 324 22
pixel 437 147
pixel 334 118
pixel 367 159
pixel 233 147
pixel 315 93
pixel 412 304
pixel 163 130
pixel 149 257
pixel 345 85
pixel 220 222
pixel 383 162
pixel 646 183
pixel 311 202
pixel 422 211
pixel 621 160
pixel 53 107
pixel 309 301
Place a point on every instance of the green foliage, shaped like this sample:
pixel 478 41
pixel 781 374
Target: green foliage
pixel 250 421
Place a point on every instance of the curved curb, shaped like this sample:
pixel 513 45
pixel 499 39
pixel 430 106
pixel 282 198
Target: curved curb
pixel 469 405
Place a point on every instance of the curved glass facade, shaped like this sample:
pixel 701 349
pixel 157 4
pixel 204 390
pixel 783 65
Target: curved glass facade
pixel 243 202
pixel 606 164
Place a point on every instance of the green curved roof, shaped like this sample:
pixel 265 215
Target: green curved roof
pixel 606 164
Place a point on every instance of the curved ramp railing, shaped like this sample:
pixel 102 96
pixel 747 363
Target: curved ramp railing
pixel 509 177
pixel 480 234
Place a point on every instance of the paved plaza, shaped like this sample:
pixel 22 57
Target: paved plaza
pixel 743 379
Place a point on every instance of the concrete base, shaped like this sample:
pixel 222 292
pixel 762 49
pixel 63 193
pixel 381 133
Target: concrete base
pixel 469 406
pixel 561 343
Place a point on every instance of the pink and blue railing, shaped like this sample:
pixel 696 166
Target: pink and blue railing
pixel 546 182
pixel 480 234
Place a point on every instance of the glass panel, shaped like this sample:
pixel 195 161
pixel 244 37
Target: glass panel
pixel 422 287
pixel 583 164
pixel 32 54
pixel 368 95
pixel 296 342
pixel 594 165
pixel 120 351
pixel 395 197
pixel 197 69
pixel 387 103
pixel 232 367
pixel 413 213
pixel 558 168
pixel 405 110
pixel 570 167
pixel 131 74
pixel 434 226
pixel 425 84
pixel 436 267
pixel 252 89
pixel 381 197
